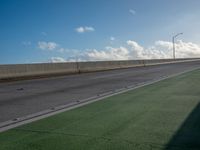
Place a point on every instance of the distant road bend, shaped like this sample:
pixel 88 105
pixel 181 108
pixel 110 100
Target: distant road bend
pixel 22 98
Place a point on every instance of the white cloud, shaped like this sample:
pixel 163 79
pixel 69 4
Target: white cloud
pixel 80 29
pixel 47 45
pixel 57 60
pixel 89 29
pixel 183 49
pixel 112 38
pixel 131 50
pixel 133 12
pixel 109 53
pixel 160 50
pixel 84 29
pixel 164 43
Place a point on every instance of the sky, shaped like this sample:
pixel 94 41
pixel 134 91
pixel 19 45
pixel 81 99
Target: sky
pixel 35 31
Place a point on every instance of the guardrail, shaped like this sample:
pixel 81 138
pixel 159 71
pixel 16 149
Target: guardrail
pixel 52 69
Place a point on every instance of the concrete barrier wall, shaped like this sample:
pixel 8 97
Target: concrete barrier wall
pixel 107 65
pixel 26 70
pixel 22 70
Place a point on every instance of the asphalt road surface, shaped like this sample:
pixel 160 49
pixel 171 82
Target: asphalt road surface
pixel 21 98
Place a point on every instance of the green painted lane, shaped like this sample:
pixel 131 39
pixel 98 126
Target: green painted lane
pixel 161 116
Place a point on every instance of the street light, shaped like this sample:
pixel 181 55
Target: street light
pixel 77 63
pixel 173 41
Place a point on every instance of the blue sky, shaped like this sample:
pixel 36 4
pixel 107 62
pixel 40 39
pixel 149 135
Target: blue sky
pixel 26 24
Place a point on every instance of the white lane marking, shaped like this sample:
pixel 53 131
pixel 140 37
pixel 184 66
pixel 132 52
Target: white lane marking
pixel 109 75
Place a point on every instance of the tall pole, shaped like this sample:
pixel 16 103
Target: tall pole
pixel 77 64
pixel 174 46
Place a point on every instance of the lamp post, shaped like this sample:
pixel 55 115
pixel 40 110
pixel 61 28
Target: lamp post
pixel 77 63
pixel 173 41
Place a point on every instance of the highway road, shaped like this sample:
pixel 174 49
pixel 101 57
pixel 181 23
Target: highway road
pixel 21 98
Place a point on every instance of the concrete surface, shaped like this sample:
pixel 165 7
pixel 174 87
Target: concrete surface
pixel 21 98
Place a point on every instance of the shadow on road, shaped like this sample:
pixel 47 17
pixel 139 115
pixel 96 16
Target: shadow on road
pixel 188 135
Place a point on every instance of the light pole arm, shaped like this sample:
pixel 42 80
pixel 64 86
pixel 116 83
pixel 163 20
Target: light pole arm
pixel 177 35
